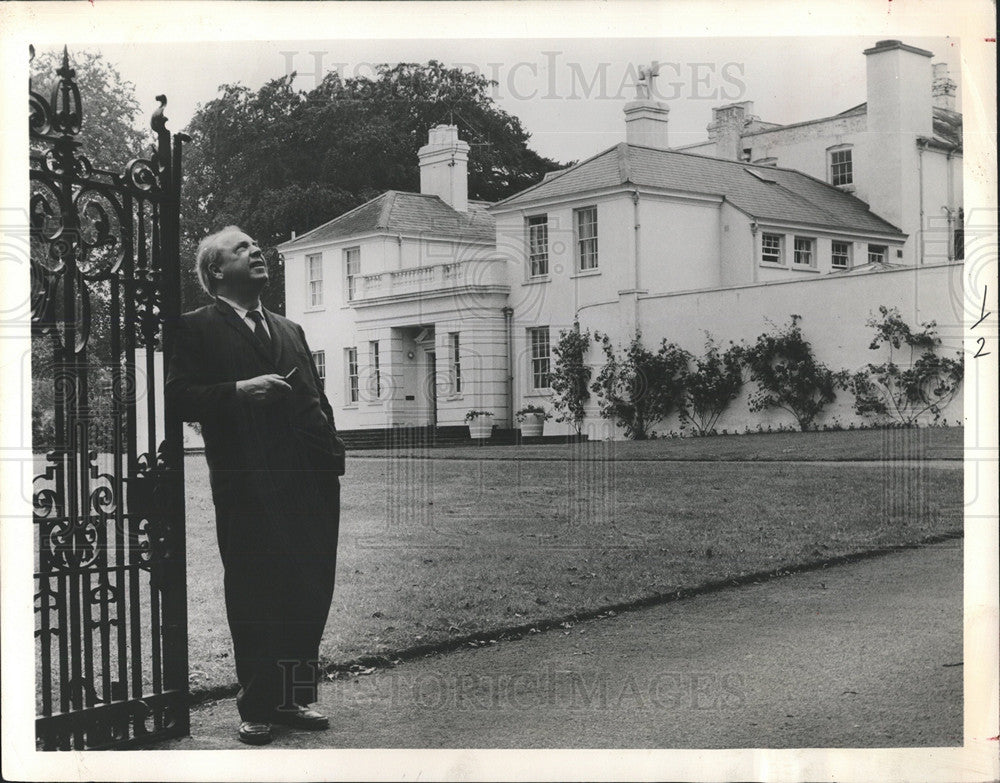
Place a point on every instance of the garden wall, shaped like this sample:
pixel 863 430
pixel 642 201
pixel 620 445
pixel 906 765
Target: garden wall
pixel 834 311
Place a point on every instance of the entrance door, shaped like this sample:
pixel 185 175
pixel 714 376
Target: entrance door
pixel 432 388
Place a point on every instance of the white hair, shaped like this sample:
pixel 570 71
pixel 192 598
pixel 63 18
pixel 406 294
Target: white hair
pixel 209 250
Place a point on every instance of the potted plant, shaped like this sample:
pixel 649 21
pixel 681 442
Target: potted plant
pixel 479 423
pixel 532 420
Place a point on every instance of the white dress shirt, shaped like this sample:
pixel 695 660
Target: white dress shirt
pixel 244 315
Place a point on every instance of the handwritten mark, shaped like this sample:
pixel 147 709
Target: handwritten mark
pixel 983 315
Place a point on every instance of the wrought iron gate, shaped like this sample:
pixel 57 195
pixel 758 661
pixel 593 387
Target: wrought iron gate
pixel 110 592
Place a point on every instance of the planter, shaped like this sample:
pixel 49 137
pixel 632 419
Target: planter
pixel 480 428
pixel 532 425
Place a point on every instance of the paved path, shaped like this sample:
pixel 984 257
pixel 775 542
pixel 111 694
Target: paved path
pixel 861 655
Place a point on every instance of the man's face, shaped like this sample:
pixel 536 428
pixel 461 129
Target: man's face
pixel 241 263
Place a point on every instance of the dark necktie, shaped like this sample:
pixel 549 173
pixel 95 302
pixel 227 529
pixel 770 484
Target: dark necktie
pixel 259 331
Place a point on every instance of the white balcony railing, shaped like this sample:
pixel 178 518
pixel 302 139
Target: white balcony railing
pixel 480 274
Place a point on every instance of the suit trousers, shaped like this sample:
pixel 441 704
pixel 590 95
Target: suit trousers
pixel 280 566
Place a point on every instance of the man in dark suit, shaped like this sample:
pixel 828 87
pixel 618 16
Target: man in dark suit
pixel 274 461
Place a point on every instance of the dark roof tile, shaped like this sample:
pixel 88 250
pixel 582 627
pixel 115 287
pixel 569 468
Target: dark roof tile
pixel 765 192
pixel 403 213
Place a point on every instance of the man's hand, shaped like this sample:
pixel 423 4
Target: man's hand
pixel 263 388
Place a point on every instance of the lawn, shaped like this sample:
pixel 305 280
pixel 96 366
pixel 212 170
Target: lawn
pixel 923 443
pixel 436 549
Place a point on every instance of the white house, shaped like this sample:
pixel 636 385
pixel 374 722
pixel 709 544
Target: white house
pixel 900 151
pixel 421 307
pixel 401 299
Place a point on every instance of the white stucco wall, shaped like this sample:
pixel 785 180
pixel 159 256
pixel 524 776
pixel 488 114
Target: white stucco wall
pixel 738 247
pixel 680 243
pixel 834 312
pixel 803 147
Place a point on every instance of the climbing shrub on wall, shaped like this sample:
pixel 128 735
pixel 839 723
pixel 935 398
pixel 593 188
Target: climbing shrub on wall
pixel 789 377
pixel 638 388
pixel 926 385
pixel 570 378
pixel 715 381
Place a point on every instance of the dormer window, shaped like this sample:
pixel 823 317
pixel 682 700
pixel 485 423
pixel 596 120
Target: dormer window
pixel 840 165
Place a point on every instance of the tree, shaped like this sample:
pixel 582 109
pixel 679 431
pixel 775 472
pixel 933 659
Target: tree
pixel 789 377
pixel 570 379
pixel 715 382
pixel 639 388
pixel 278 160
pixel 928 385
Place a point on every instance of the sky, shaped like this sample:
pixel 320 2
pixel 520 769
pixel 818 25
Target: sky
pixel 568 92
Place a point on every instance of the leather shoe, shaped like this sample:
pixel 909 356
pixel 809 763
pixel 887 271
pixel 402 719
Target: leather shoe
pixel 253 733
pixel 300 718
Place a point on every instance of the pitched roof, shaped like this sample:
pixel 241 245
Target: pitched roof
pixel 764 192
pixel 947 124
pixel 397 212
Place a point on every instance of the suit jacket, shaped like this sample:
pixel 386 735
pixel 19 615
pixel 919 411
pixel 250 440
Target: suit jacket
pixel 214 350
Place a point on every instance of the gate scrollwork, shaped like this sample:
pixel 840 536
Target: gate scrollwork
pixel 110 597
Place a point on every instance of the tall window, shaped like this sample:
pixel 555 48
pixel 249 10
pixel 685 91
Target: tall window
pixel 876 254
pixel 538 245
pixel 352 268
pixel 804 255
pixel 770 248
pixel 538 342
pixel 841 166
pixel 376 369
pixel 352 374
pixel 319 359
pixel 586 238
pixel 314 274
pixel 456 362
pixel 840 255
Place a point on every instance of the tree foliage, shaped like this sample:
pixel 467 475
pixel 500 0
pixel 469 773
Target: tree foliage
pixel 714 383
pixel 277 159
pixel 638 388
pixel 111 112
pixel 927 385
pixel 789 377
pixel 570 378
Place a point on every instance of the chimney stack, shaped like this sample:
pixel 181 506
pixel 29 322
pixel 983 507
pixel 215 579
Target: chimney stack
pixel 900 112
pixel 646 123
pixel 726 128
pixel 444 167
pixel 899 90
pixel 944 88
